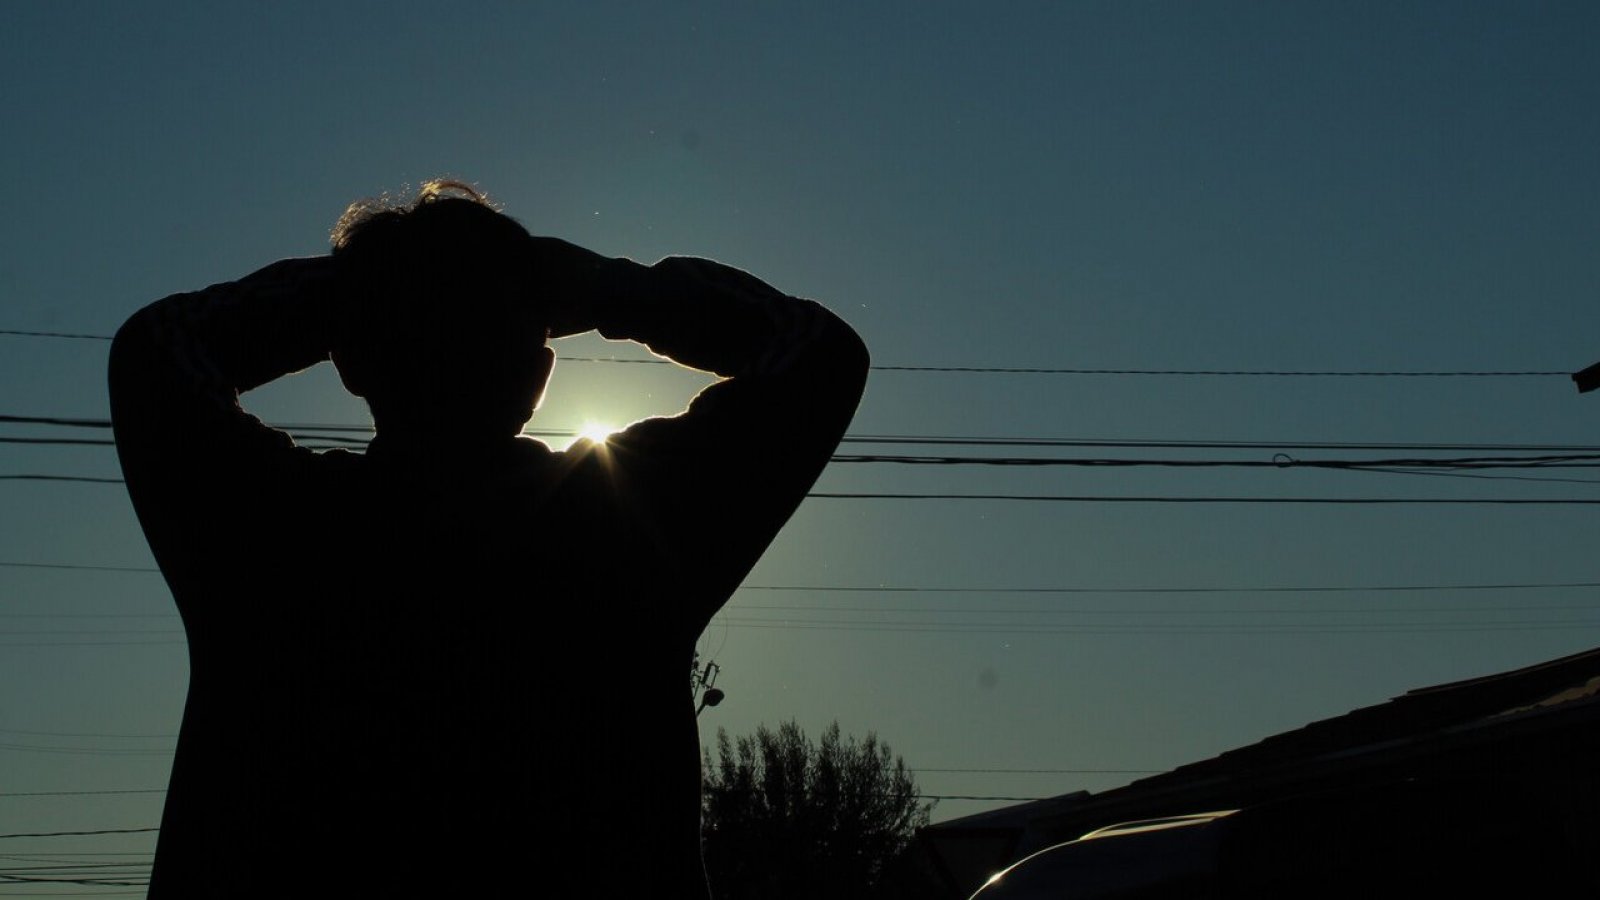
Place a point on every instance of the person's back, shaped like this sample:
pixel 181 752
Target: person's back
pixel 457 662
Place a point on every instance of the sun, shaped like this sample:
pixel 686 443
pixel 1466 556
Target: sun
pixel 596 431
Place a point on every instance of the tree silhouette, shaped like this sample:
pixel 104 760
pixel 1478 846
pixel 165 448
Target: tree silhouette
pixel 787 818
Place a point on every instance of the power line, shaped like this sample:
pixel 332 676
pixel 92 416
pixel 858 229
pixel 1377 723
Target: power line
pixel 1035 370
pixel 730 617
pixel 59 442
pixel 1280 461
pixel 1191 629
pixel 89 751
pixel 59 632
pixel 171 642
pixel 1165 611
pixel 56 872
pixel 1228 373
pixel 31 855
pixel 740 606
pixel 975 797
pixel 31 880
pixel 86 479
pixel 74 894
pixel 87 734
pixel 1569 461
pixel 1038 442
pixel 986 441
pixel 61 865
pixel 55 334
pixel 88 873
pixel 1479 475
pixel 56 420
pixel 790 623
pixel 92 616
pixel 1072 498
pixel 38 565
pixel 32 834
pixel 1090 498
pixel 801 619
pixel 304 429
pixel 921 769
pixel 83 793
pixel 917 770
pixel 946 589
pixel 983 441
pixel 1211 589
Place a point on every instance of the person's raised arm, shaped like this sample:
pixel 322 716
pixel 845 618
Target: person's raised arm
pixel 230 337
pixel 740 459
pixel 177 368
pixel 709 316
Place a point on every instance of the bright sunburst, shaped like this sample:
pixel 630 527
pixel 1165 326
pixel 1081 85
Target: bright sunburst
pixel 596 431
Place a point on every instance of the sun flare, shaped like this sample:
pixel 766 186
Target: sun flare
pixel 596 431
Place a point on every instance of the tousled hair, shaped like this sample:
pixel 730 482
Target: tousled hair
pixel 384 212
pixel 441 273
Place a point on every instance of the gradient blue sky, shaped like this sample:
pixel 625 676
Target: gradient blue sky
pixel 1351 186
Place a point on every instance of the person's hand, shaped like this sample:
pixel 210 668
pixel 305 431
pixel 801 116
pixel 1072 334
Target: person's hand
pixel 569 280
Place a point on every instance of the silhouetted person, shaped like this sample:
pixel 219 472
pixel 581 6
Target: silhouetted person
pixel 457 664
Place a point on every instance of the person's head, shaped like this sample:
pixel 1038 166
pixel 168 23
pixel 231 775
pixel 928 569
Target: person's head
pixel 446 328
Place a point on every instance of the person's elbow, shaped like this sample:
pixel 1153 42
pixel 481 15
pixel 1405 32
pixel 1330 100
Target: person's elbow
pixel 130 346
pixel 847 355
pixel 141 360
pixel 855 354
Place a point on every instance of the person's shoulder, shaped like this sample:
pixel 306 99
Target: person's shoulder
pixel 581 455
pixel 531 461
pixel 337 458
pixel 530 451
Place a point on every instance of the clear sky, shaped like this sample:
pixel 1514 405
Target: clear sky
pixel 1329 187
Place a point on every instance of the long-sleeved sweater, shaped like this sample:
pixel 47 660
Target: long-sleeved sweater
pixel 417 678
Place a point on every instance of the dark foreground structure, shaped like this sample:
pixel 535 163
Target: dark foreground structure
pixel 380 642
pixel 1487 786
